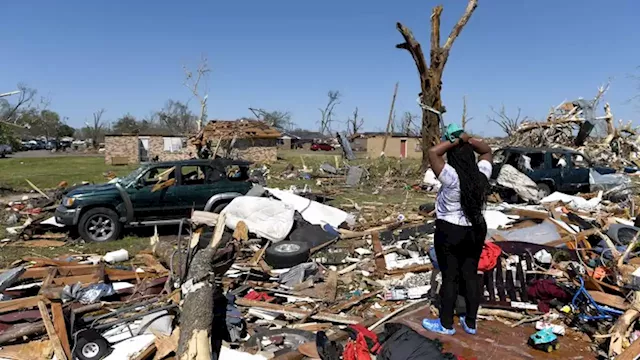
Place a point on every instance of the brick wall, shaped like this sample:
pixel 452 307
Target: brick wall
pixel 121 147
pixel 261 151
pixel 156 148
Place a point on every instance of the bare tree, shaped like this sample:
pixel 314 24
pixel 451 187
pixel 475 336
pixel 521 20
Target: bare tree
pixel 431 76
pixel 8 112
pixel 327 112
pixel 176 118
pixel 354 124
pixel 96 129
pixel 192 82
pixel 465 119
pixel 409 124
pixel 278 119
pixel 508 124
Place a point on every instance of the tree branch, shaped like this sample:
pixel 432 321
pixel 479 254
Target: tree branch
pixel 459 25
pixel 413 47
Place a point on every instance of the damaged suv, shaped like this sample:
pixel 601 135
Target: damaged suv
pixel 159 193
pixel 552 169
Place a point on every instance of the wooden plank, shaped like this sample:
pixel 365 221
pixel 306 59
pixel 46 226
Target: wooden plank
pixel 381 264
pixel 70 270
pixel 49 279
pixel 293 311
pixel 71 280
pixel 61 327
pixel 614 301
pixel 218 231
pixel 630 353
pixel 20 304
pixel 51 332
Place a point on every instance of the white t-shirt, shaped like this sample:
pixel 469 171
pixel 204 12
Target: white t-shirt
pixel 448 206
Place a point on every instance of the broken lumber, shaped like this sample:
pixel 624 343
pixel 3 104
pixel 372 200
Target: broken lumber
pixel 51 332
pixel 620 328
pixel 61 327
pixel 21 330
pixel 346 305
pixel 299 313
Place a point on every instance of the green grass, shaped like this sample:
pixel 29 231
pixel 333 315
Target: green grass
pixel 46 173
pixel 132 244
pixel 389 183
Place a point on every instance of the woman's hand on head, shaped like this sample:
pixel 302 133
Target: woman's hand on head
pixel 464 137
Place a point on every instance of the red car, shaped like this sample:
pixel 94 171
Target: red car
pixel 323 147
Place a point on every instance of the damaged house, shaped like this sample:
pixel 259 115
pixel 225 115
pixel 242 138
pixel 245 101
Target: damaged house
pixel 398 145
pixel 130 148
pixel 250 140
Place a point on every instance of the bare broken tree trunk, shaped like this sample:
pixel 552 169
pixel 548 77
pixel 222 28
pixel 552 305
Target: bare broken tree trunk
pixel 431 76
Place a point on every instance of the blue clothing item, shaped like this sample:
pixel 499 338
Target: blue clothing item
pixel 466 328
pixel 434 325
pixel 433 258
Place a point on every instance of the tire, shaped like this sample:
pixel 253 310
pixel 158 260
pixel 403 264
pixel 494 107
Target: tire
pixel 99 225
pixel 286 254
pixel 543 189
pixel 218 208
pixel 91 348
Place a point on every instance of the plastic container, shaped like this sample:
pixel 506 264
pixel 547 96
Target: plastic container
pixel 116 256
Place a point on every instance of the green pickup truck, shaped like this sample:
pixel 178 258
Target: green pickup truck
pixel 99 212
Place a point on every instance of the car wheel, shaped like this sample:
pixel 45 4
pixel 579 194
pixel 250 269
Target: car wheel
pixel 99 224
pixel 544 190
pixel 286 254
pixel 91 348
pixel 218 208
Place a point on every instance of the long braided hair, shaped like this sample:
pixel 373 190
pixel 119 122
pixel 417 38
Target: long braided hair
pixel 474 186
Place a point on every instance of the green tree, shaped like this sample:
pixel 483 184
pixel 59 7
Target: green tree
pixel 127 124
pixel 65 130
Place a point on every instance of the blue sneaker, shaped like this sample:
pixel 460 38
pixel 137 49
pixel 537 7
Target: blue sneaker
pixel 466 328
pixel 435 326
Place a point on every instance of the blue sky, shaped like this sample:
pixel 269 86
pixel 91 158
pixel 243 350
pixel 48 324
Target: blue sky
pixel 127 56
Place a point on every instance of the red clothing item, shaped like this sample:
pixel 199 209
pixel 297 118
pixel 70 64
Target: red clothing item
pixel 544 291
pixel 357 350
pixel 489 257
pixel 258 296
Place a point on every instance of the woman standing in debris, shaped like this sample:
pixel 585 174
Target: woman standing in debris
pixel 460 226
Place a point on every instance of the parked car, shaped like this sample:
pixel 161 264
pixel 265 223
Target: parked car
pixel 550 168
pixel 319 146
pixel 51 145
pixel 5 150
pixel 99 212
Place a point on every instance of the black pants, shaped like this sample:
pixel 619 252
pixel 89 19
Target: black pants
pixel 458 250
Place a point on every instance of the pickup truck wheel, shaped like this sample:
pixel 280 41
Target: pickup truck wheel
pixel 218 208
pixel 544 190
pixel 99 224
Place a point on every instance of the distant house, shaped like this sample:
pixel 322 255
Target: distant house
pixel 248 139
pixel 129 148
pixel 287 141
pixel 398 145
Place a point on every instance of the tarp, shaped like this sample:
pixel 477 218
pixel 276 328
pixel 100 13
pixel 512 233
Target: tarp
pixel 575 202
pixel 511 178
pixel 312 211
pixel 268 218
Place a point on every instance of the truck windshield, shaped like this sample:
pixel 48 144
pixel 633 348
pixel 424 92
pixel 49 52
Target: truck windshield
pixel 132 176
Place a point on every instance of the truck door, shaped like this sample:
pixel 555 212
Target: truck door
pixel 150 205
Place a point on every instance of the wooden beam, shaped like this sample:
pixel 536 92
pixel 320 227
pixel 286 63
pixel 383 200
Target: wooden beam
pixel 51 332
pixel 390 120
pixel 20 304
pixel 61 328
pixel 282 309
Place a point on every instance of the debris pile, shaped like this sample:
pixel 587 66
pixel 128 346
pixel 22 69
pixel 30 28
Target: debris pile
pixel 574 125
pixel 280 275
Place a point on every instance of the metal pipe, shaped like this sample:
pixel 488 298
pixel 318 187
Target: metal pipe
pixel 134 317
